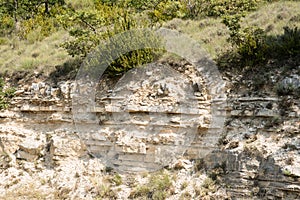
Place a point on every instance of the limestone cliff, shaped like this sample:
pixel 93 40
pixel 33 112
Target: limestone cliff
pixel 53 147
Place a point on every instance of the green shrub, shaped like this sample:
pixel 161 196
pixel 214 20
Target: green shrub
pixel 157 187
pixel 88 27
pixel 231 7
pixel 156 10
pixel 23 17
pixel 3 40
pixel 252 45
pixel 250 42
pixel 136 5
pixel 208 183
pixel 140 191
pixel 284 89
pixel 287 172
pixel 7 24
pixel 287 44
pixel 5 95
pixel 167 10
pixel 95 26
pixel 41 25
pixel 117 180
pixel 37 28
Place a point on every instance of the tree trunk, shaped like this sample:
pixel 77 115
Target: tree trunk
pixel 47 7
pixel 16 6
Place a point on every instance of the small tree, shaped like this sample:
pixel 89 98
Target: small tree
pixel 90 27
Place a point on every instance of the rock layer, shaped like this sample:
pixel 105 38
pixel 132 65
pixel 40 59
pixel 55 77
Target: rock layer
pixel 145 124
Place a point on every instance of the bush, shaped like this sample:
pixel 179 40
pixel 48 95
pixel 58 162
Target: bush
pixel 250 42
pixel 5 95
pixel 7 24
pixel 135 58
pixel 288 86
pixel 25 16
pixel 252 45
pixel 286 45
pixel 160 10
pixel 255 47
pixel 231 7
pixel 104 22
pixel 3 40
pixel 41 25
pixel 167 10
pixel 157 187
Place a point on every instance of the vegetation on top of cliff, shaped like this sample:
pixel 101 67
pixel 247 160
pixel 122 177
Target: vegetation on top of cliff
pixel 42 36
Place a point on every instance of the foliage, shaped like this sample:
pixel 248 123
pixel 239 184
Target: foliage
pixel 117 180
pixel 250 42
pixel 140 191
pixel 26 9
pixel 5 95
pixel 215 8
pixel 251 45
pixel 105 191
pixel 208 183
pixel 90 28
pixel 231 7
pixel 25 17
pixel 286 172
pixel 234 26
pixel 163 10
pixel 26 191
pixel 7 24
pixel 40 25
pixel 167 10
pixel 287 44
pixel 157 187
pixel 283 89
pixel 195 8
pixel 90 22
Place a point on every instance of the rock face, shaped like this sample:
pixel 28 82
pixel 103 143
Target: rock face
pixel 59 145
pixel 152 117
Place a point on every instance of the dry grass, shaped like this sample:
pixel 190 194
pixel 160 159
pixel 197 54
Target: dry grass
pixel 33 56
pixel 80 4
pixel 274 17
pixel 25 193
pixel 212 34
